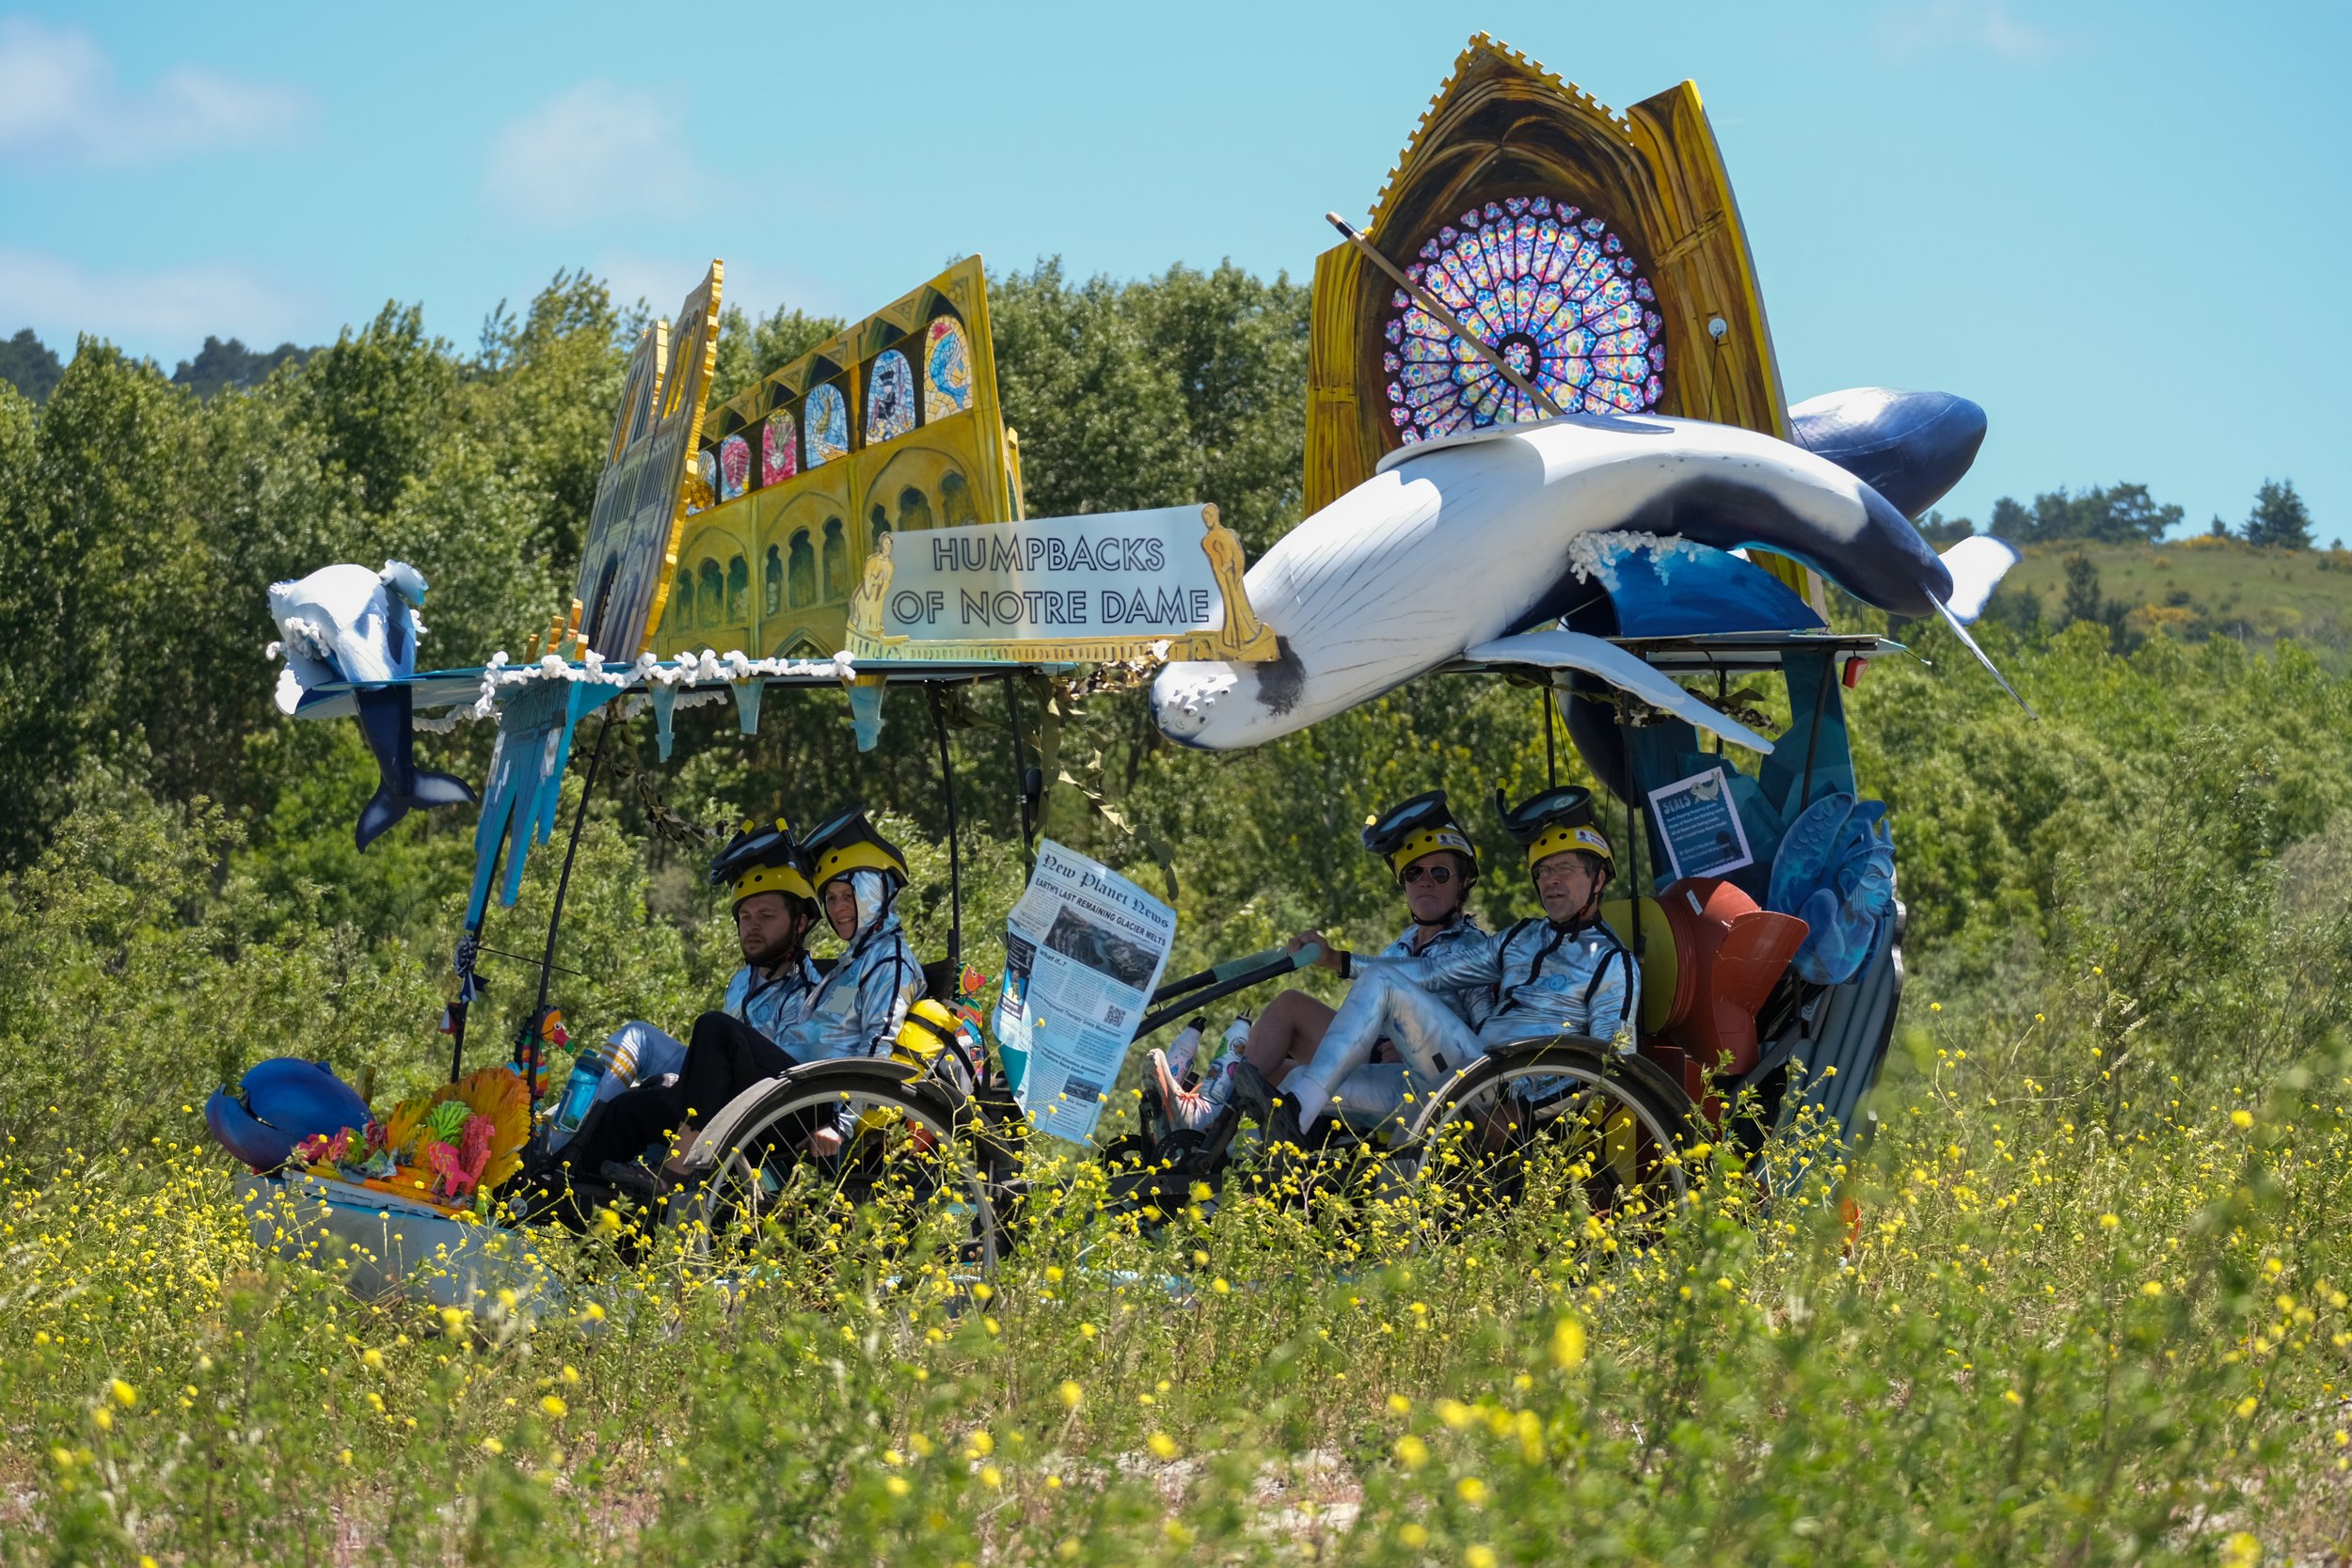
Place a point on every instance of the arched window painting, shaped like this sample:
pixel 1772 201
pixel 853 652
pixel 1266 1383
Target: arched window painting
pixel 828 414
pixel 803 577
pixel 712 597
pixel 837 561
pixel 880 520
pixel 947 370
pixel 1552 292
pixel 772 587
pixel 738 592
pixel 735 467
pixel 955 502
pixel 680 615
pixel 702 487
pixel 914 509
pixel 779 450
pixel 889 397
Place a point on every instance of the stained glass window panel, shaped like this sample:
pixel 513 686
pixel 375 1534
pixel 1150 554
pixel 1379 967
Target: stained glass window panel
pixel 889 397
pixel 780 450
pixel 703 490
pixel 1550 290
pixel 828 415
pixel 735 467
pixel 947 370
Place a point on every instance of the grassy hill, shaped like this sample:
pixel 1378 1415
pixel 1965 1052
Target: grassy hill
pixel 2200 587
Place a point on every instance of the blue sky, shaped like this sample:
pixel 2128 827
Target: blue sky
pixel 2120 226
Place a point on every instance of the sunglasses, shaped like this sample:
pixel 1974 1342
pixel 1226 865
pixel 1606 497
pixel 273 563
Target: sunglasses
pixel 1439 874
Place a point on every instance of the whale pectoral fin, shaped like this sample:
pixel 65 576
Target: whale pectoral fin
pixel 1961 630
pixel 1575 650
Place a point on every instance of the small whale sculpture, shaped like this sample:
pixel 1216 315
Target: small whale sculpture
pixel 347 624
pixel 1455 548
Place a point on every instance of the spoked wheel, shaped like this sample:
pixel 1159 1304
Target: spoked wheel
pixel 905 1185
pixel 1554 1125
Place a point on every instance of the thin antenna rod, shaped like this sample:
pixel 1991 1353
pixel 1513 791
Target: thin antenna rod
pixel 1435 307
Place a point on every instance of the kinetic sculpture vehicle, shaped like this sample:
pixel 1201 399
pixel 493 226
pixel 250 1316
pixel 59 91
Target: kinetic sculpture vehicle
pixel 1536 454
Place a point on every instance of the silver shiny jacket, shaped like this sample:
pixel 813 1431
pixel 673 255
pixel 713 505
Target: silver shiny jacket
pixel 1466 1003
pixel 856 1009
pixel 770 1006
pixel 1536 978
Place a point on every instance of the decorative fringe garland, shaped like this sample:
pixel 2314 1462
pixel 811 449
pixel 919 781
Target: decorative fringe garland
pixel 688 670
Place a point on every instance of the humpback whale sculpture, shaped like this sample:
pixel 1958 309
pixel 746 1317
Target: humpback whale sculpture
pixel 1455 548
pixel 346 624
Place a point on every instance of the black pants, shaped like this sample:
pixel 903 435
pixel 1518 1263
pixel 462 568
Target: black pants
pixel 723 1057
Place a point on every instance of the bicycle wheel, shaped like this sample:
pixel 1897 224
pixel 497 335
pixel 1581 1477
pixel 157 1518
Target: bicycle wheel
pixel 906 1183
pixel 1558 1123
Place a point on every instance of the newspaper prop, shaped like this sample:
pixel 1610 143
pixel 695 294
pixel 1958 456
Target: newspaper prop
pixel 1701 826
pixel 1164 583
pixel 1084 949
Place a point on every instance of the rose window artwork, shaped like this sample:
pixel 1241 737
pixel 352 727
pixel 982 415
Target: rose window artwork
pixel 1552 292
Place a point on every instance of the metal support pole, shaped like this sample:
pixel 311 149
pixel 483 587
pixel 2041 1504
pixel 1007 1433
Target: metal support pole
pixel 555 916
pixel 1020 773
pixel 955 851
pixel 1551 743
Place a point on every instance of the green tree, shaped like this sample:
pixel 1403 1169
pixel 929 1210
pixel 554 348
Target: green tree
pixel 2278 520
pixel 2122 514
pixel 30 366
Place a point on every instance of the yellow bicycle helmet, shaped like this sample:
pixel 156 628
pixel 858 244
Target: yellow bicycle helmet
pixel 1555 821
pixel 762 858
pixel 846 841
pixel 1418 827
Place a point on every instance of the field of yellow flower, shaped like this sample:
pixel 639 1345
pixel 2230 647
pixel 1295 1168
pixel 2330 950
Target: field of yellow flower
pixel 2022 1325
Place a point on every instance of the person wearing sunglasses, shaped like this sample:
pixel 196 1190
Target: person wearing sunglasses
pixel 1435 865
pixel 1563 972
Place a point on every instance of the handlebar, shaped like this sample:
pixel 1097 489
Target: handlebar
pixel 1178 997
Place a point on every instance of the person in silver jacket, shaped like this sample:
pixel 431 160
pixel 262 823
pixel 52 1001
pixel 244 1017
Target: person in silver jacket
pixel 1563 973
pixel 1434 865
pixel 655 1083
pixel 857 1008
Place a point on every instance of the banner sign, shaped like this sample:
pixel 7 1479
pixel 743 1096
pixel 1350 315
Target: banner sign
pixel 1114 586
pixel 1084 949
pixel 1701 826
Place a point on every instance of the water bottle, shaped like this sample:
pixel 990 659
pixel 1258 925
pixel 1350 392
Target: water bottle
pixel 580 1092
pixel 1183 1049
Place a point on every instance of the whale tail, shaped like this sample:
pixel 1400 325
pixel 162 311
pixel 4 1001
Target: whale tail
pixel 426 788
pixel 404 788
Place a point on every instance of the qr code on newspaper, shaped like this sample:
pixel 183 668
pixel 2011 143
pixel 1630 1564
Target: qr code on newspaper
pixel 1114 1016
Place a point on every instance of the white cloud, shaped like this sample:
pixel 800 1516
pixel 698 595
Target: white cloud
pixel 165 315
pixel 60 101
pixel 598 150
pixel 1934 26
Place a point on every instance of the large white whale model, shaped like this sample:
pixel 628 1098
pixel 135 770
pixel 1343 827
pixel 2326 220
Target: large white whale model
pixel 1453 546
